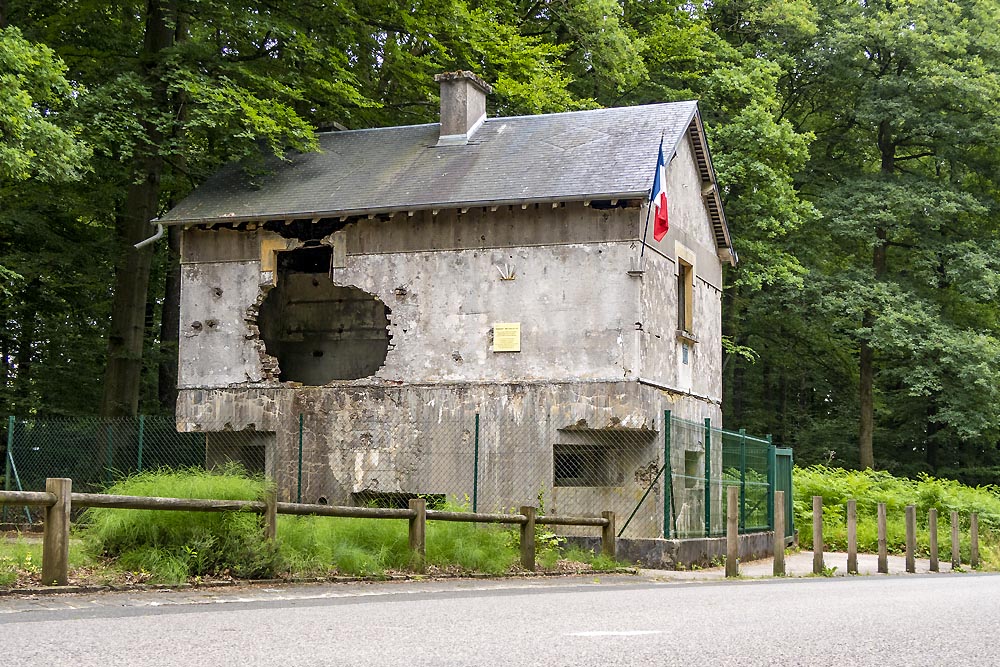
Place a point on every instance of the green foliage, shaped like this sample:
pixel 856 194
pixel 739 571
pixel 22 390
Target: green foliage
pixel 869 488
pixel 21 557
pixel 173 545
pixel 169 546
pixel 33 86
pixel 837 129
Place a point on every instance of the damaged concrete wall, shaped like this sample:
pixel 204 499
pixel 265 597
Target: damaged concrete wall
pixel 561 274
pixel 664 360
pixel 420 439
pixel 574 302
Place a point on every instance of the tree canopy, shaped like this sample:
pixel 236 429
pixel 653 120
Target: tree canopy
pixel 856 146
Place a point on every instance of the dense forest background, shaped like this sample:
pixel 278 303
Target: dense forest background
pixel 856 142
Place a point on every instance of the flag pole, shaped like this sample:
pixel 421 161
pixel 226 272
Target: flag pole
pixel 645 229
pixel 649 205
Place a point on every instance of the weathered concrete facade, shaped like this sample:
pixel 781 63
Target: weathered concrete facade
pixel 598 346
pixel 383 332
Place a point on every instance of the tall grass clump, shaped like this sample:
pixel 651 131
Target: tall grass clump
pixel 173 545
pixel 871 487
pixel 370 547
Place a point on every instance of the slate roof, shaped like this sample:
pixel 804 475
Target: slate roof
pixel 572 156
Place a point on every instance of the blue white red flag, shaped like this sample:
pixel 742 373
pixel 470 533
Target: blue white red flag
pixel 658 200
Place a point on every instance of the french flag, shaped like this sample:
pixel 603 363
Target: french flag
pixel 659 198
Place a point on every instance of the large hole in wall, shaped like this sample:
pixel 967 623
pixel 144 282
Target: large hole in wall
pixel 318 331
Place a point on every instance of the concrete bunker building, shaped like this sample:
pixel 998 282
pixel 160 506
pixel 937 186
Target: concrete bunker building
pixel 406 294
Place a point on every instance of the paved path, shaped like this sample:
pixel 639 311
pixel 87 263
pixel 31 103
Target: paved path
pixel 800 564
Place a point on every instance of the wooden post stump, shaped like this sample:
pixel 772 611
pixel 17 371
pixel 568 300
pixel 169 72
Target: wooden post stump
pixel 779 534
pixel 732 532
pixel 852 537
pixel 55 541
pixel 609 544
pixel 974 540
pixel 528 539
pixel 271 514
pixel 932 521
pixel 418 535
pixel 911 538
pixel 818 565
pixel 956 545
pixel 883 542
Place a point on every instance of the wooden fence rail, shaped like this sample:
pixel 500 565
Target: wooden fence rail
pixel 58 499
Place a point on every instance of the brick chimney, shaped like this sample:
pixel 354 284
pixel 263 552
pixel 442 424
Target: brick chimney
pixel 463 106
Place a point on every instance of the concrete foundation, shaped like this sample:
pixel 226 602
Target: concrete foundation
pixel 660 554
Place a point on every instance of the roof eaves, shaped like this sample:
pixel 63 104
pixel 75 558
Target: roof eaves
pixel 387 210
pixel 713 200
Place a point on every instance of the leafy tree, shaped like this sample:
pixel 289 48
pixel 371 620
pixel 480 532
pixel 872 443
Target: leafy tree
pixel 171 89
pixel 33 87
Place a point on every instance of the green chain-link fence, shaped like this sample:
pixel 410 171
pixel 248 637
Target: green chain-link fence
pixel 659 482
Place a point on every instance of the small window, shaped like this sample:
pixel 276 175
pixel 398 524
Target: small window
pixel 685 288
pixel 694 468
pixel 586 465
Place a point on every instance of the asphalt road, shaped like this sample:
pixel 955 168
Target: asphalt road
pixel 914 620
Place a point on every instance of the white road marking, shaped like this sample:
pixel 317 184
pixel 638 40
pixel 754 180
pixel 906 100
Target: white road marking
pixel 615 633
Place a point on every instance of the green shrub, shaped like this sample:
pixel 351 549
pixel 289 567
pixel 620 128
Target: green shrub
pixel 171 545
pixel 871 487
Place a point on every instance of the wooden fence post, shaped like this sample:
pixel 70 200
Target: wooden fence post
pixel 779 534
pixel 528 538
pixel 418 535
pixel 974 540
pixel 818 565
pixel 911 538
pixel 932 521
pixel 732 531
pixel 55 542
pixel 956 546
pixel 271 513
pixel 852 537
pixel 883 541
pixel 609 545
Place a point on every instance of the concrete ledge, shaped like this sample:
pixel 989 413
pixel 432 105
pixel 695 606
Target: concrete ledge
pixel 660 554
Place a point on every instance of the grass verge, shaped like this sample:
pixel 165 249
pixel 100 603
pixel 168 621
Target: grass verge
pixel 21 559
pixel 170 547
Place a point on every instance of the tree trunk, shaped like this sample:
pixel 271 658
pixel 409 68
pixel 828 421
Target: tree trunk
pixel 128 311
pixel 26 349
pixel 866 430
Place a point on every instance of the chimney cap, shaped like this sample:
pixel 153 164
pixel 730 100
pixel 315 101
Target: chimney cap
pixel 464 74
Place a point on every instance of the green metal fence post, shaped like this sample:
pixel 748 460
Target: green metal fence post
pixel 772 464
pixel 298 495
pixel 475 470
pixel 7 460
pixel 668 474
pixel 708 476
pixel 110 461
pixel 142 430
pixel 743 480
